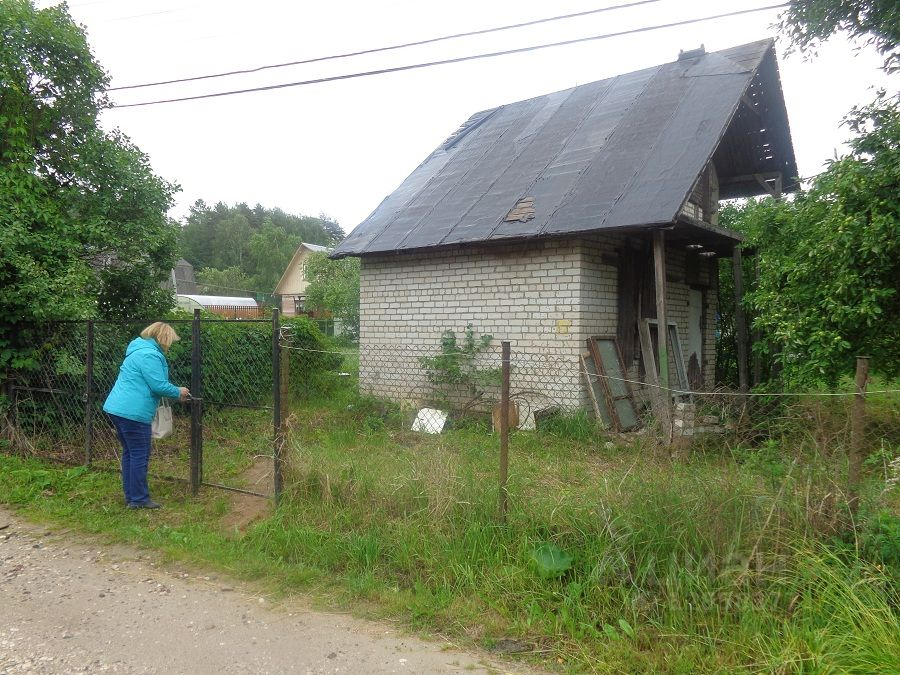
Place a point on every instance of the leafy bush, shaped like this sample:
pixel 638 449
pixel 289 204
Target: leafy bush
pixel 826 285
pixel 236 363
pixel 879 539
pixel 334 287
pixel 314 362
pixel 455 370
pixel 73 194
pixel 578 426
pixel 237 360
pixel 550 561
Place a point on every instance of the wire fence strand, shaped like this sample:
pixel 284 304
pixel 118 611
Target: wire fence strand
pixel 430 387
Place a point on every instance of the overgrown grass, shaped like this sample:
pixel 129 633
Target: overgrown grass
pixel 698 565
pixel 706 564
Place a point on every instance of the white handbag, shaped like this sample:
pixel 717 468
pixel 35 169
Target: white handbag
pixel 162 421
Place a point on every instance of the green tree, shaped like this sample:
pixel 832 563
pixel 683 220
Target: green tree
pixel 230 281
pixel 830 258
pixel 271 249
pixel 807 23
pixel 219 236
pixel 198 236
pixel 334 287
pixel 232 240
pixel 83 230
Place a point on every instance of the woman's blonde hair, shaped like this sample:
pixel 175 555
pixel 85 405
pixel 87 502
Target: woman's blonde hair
pixel 163 333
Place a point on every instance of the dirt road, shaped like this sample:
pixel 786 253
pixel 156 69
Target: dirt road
pixel 69 606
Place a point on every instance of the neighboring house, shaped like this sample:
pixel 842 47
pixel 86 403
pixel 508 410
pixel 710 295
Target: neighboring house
pixel 540 222
pixel 181 278
pixel 292 286
pixel 184 277
pixel 227 306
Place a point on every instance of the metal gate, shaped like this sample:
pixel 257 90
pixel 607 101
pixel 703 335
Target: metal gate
pixel 232 421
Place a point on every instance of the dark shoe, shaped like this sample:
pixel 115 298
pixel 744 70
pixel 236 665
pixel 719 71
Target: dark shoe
pixel 145 505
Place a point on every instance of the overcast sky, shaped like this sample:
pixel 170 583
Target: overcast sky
pixel 339 148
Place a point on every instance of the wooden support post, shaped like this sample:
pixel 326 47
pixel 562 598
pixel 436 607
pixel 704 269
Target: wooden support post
pixel 662 317
pixel 662 334
pixel 504 429
pixel 857 435
pixel 740 321
pixel 756 335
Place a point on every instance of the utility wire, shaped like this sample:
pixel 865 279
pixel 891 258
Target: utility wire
pixel 744 394
pixel 459 59
pixel 388 48
pixel 760 394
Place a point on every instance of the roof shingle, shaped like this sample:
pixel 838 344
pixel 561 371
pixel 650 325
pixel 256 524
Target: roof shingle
pixel 617 153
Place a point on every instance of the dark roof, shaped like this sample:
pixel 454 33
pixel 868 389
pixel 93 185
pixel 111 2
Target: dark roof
pixel 624 152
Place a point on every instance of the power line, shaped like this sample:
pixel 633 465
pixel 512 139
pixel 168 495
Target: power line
pixel 388 48
pixel 459 59
pixel 122 18
pixel 73 5
pixel 144 15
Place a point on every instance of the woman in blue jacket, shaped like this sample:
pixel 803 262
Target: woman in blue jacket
pixel 143 380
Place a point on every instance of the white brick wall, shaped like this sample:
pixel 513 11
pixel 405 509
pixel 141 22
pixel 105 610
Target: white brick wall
pixel 545 297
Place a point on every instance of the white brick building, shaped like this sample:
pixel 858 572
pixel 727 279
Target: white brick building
pixel 540 222
pixel 545 297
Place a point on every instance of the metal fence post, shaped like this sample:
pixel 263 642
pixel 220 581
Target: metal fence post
pixel 8 430
pixel 857 435
pixel 13 407
pixel 284 398
pixel 279 379
pixel 89 396
pixel 504 429
pixel 196 407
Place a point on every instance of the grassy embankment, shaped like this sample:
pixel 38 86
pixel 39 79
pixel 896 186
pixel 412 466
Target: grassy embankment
pixel 612 558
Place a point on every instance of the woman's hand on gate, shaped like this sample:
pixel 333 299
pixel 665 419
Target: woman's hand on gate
pixel 185 394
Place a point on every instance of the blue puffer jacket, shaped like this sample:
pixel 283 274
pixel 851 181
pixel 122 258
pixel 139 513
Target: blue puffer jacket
pixel 143 380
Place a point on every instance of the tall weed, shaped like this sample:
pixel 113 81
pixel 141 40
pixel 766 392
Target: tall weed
pixel 701 565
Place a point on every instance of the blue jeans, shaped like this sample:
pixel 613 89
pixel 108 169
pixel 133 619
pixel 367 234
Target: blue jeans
pixel 135 440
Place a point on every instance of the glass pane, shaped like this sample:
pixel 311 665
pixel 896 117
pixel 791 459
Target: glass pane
pixel 627 414
pixel 610 358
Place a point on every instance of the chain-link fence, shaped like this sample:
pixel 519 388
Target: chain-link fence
pixel 431 386
pixel 222 437
pixel 439 387
pixel 250 379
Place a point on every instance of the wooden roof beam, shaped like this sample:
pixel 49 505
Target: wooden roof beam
pixel 750 105
pixel 770 181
